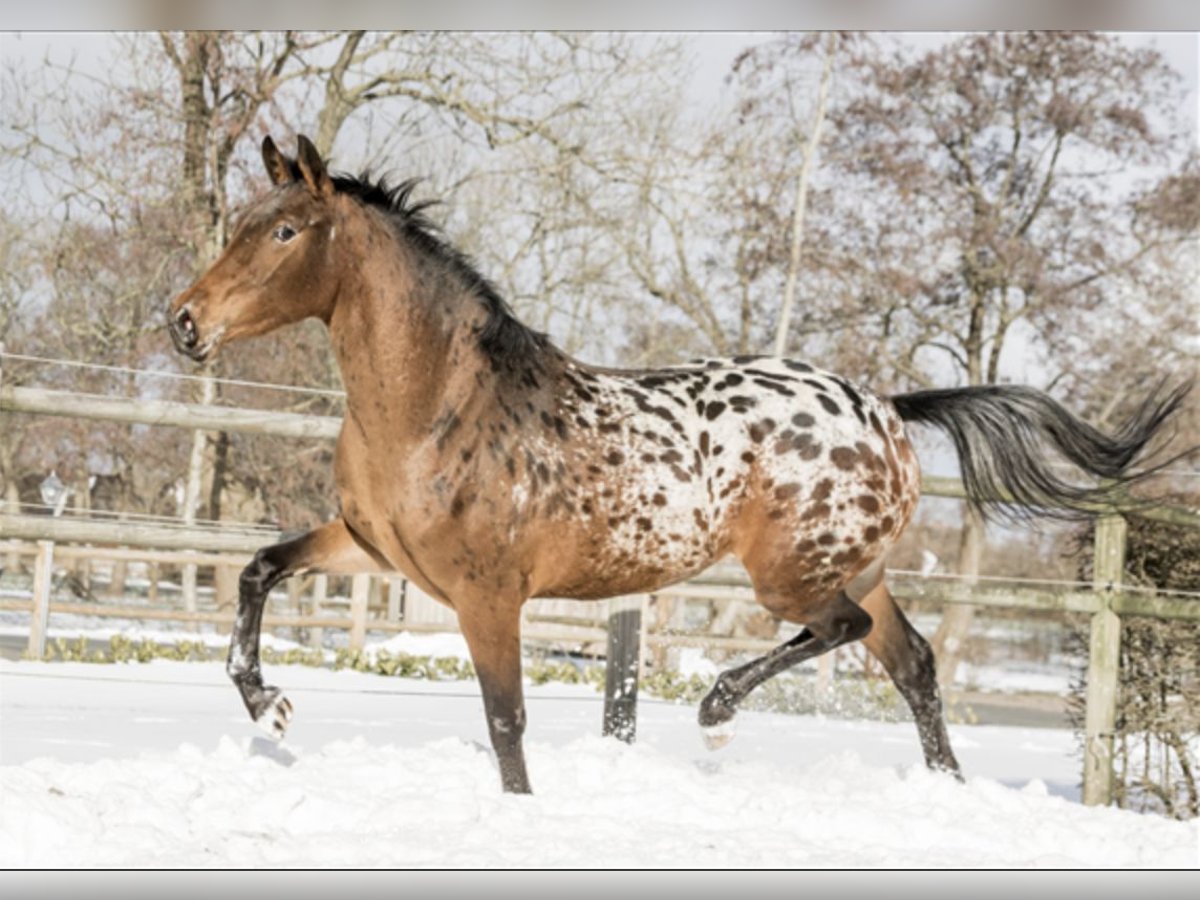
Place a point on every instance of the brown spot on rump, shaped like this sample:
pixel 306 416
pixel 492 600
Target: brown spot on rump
pixel 659 499
pixel 877 426
pixel 714 409
pixel 644 524
pixel 787 491
pixel 771 376
pixel 671 456
pixel 747 457
pixel 680 473
pixel 797 366
pixel 704 443
pixel 826 538
pixel 887 524
pixel 843 457
pixel 868 503
pixel 805 446
pixel 871 534
pixel 701 519
pixel 697 387
pixel 803 420
pixel 614 457
pixel 830 407
pixel 823 489
pixel 846 557
pixel 806 545
pixel 817 512
pixel 774 386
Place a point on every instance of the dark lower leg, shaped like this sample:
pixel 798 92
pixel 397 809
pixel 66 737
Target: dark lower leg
pixel 841 622
pixel 496 653
pixel 506 727
pixel 909 660
pixel 267 569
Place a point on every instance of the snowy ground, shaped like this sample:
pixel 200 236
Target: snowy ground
pixel 156 765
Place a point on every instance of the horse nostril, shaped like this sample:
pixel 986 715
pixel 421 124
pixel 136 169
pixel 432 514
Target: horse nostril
pixel 186 327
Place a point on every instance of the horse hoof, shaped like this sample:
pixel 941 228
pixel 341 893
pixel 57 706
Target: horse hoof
pixel 276 714
pixel 717 736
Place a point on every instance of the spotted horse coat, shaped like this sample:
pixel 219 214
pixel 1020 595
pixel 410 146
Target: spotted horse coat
pixel 795 470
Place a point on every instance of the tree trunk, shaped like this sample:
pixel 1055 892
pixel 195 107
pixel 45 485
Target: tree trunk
pixel 191 494
pixel 337 106
pixel 810 152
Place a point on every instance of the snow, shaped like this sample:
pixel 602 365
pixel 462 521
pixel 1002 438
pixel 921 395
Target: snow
pixel 157 765
pixel 437 646
pixel 1013 679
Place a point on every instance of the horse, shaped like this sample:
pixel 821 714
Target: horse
pixel 488 466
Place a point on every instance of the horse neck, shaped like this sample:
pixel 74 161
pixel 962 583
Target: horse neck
pixel 406 352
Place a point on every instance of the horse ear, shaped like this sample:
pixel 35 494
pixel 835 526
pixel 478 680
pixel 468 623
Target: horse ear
pixel 276 163
pixel 312 168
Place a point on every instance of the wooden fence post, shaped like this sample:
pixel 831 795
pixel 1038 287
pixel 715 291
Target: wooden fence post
pixel 320 590
pixel 395 599
pixel 43 571
pixel 360 594
pixel 1104 657
pixel 621 667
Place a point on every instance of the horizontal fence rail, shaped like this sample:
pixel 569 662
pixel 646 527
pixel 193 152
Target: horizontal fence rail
pixel 167 412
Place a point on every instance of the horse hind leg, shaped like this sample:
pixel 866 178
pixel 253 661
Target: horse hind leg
pixel 909 661
pixel 828 625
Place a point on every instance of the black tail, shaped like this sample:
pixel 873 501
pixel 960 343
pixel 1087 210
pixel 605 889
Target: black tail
pixel 1002 434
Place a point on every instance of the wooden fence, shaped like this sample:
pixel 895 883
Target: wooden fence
pixel 1105 603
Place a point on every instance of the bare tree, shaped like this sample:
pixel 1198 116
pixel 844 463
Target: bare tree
pixel 992 168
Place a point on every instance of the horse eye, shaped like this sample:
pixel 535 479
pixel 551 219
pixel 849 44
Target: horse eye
pixel 284 233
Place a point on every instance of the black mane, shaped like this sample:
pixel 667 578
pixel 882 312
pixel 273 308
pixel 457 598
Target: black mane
pixel 504 339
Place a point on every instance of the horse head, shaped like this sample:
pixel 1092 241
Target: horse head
pixel 279 266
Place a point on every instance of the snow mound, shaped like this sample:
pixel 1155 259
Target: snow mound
pixel 599 803
pixel 448 645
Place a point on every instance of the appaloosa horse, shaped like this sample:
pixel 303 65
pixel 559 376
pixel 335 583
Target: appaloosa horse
pixel 489 467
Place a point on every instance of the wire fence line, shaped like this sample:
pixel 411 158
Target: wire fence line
pixel 173 376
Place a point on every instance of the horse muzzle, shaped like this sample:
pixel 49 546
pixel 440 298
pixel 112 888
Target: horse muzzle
pixel 185 335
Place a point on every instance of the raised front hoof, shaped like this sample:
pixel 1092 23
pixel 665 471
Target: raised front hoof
pixel 717 724
pixel 274 713
pixel 717 736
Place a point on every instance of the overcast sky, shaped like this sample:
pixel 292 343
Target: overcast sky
pixel 714 50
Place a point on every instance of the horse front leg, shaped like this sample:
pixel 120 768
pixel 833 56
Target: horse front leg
pixel 494 639
pixel 333 549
